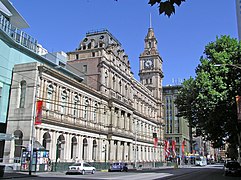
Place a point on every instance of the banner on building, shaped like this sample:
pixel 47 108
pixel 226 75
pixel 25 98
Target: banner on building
pixel 155 142
pixel 183 147
pixel 174 148
pixel 166 148
pixel 39 108
pixel 238 102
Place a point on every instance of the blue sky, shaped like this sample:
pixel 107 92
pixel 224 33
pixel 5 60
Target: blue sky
pixel 61 25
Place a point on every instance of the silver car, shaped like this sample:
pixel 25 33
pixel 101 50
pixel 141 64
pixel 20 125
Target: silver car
pixel 81 167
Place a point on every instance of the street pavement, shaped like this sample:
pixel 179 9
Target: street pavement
pixel 133 174
pixel 17 174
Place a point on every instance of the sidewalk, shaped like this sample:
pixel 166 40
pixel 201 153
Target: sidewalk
pixel 17 174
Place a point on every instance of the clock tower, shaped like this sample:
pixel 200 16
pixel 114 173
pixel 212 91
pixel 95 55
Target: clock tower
pixel 151 66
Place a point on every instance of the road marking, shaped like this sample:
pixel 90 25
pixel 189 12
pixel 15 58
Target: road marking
pixel 141 176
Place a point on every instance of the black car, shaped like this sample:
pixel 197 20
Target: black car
pixel 118 166
pixel 232 168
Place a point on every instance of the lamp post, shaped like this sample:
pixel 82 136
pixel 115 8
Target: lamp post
pixel 230 65
pixel 57 152
pixel 32 138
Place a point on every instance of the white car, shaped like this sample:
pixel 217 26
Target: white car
pixel 81 167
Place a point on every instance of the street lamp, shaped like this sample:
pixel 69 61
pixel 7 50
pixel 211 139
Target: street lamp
pixel 231 65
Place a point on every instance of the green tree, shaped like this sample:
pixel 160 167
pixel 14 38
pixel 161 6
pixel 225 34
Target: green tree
pixel 185 100
pixel 213 110
pixel 166 6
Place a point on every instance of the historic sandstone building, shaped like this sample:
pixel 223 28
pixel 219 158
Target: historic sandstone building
pixel 110 116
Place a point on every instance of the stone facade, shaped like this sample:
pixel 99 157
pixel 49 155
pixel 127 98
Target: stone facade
pixel 109 117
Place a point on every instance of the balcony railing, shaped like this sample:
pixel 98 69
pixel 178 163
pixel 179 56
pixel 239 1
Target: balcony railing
pixel 17 35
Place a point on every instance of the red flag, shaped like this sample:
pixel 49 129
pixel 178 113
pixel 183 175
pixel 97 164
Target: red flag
pixel 183 146
pixel 238 101
pixel 155 142
pixel 174 148
pixel 166 148
pixel 39 107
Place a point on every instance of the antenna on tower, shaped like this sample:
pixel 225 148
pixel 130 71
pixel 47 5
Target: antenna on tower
pixel 150 21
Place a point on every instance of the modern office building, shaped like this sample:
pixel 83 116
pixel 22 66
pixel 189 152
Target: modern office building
pixel 176 129
pixel 238 12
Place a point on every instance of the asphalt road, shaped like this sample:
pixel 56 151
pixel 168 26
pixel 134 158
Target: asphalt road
pixel 214 172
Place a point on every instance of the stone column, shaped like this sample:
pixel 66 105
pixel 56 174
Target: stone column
pixel 67 147
pixel 51 146
pixel 90 149
pixel 79 147
pixel 126 151
pixel 111 151
pixel 100 150
pixel 118 151
pixel 131 152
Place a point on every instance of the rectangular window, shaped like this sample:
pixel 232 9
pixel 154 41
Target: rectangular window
pixel 84 68
pixel 177 139
pixel 77 56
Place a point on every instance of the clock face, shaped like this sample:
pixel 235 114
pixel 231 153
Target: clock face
pixel 148 63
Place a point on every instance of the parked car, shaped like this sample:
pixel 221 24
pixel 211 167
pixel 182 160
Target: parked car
pixel 81 167
pixel 118 166
pixel 232 168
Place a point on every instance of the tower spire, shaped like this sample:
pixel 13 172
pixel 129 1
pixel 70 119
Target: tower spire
pixel 150 21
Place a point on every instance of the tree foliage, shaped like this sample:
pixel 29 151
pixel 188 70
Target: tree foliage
pixel 166 6
pixel 208 101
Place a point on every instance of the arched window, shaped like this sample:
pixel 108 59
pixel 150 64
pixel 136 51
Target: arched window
pixel 75 109
pixel 95 112
pixel 113 80
pixel 126 90
pixel 73 147
pixel 46 141
pixel 18 143
pixel 60 147
pixel 86 108
pixel 63 102
pixel 22 93
pixel 106 78
pixel 49 97
pixel 94 152
pixel 149 44
pixel 120 87
pixel 84 153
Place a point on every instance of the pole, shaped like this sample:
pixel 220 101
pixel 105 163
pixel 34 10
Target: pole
pixel 105 157
pixel 57 154
pixel 32 128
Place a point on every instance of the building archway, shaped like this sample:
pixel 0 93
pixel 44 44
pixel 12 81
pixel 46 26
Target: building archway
pixel 73 147
pixel 85 146
pixel 60 147
pixel 94 150
pixel 18 134
pixel 46 141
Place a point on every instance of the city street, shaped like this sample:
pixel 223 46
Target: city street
pixel 211 172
